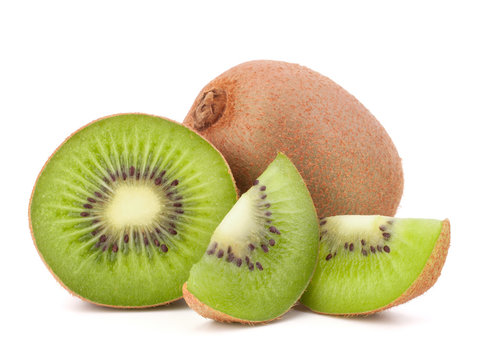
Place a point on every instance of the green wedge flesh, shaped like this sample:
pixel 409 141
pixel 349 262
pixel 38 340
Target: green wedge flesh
pixel 387 256
pixel 262 255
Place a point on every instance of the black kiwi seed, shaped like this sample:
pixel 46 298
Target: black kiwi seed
pixel 362 242
pixel 239 262
pixel 372 249
pixel 351 247
pixel 386 249
pixel 386 235
pixel 328 257
pixel 259 266
pixel 364 252
pixel 220 253
pixel 212 249
pixel 263 188
pixel 346 246
pixel 382 228
pixel 265 248
pixel 272 242
pixel 274 230
pixel 323 222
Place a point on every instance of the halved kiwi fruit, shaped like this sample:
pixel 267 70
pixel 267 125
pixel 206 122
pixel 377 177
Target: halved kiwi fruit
pixel 262 255
pixel 126 205
pixel 371 263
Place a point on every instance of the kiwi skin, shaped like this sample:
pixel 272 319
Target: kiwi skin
pixel 255 109
pixel 425 280
pixel 210 313
pixel 33 191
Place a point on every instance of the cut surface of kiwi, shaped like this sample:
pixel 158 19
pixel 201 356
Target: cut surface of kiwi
pixel 126 205
pixel 370 263
pixel 262 255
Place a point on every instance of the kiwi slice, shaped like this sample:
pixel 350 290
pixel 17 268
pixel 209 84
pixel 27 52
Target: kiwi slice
pixel 262 255
pixel 371 263
pixel 126 205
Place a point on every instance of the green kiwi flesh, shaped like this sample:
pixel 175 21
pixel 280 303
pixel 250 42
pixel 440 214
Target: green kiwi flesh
pixel 126 205
pixel 369 263
pixel 262 255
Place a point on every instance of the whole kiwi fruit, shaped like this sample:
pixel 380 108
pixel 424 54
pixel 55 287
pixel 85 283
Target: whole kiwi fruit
pixel 259 108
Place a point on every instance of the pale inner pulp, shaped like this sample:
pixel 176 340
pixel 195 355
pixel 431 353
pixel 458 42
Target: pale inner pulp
pixel 133 205
pixel 241 226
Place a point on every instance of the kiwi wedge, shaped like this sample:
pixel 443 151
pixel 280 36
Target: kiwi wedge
pixel 371 263
pixel 125 206
pixel 263 253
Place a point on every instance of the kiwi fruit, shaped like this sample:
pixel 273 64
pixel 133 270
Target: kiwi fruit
pixel 125 206
pixel 347 159
pixel 371 263
pixel 263 253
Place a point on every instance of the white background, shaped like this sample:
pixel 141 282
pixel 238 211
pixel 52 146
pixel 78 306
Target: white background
pixel 413 64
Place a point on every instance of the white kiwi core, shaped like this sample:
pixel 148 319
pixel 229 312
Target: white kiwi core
pixel 243 224
pixel 133 205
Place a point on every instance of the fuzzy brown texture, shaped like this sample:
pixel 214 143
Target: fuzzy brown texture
pixel 210 313
pixel 346 157
pixel 427 278
pixel 33 236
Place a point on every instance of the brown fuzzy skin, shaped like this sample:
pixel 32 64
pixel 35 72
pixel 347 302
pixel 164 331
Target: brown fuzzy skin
pixel 427 278
pixel 210 313
pixel 346 157
pixel 33 236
